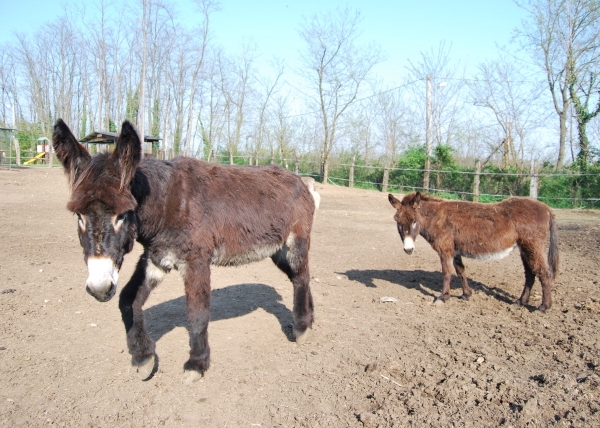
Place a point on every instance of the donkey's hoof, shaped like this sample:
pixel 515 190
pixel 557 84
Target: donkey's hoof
pixel 441 298
pixel 147 370
pixel 302 338
pixel 543 308
pixel 191 376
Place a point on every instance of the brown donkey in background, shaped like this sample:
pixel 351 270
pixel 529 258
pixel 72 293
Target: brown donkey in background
pixel 482 231
pixel 187 214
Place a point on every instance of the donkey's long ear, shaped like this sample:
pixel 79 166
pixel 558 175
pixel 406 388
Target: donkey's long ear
pixel 128 153
pixel 72 155
pixel 417 200
pixel 394 201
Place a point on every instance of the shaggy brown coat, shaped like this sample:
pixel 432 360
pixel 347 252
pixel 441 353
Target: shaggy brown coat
pixel 187 214
pixel 484 231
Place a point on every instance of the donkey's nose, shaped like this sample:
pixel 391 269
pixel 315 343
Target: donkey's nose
pixel 103 296
pixel 102 279
pixel 409 245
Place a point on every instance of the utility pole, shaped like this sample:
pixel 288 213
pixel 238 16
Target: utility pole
pixel 142 96
pixel 427 134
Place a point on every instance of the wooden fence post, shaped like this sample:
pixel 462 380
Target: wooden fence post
pixel 17 152
pixel 297 161
pixel 476 180
pixel 351 176
pixel 533 184
pixel 386 180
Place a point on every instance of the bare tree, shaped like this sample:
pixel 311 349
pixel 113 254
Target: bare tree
pixel 563 38
pixel 336 68
pixel 268 89
pixel 235 85
pixel 443 79
pixel 500 87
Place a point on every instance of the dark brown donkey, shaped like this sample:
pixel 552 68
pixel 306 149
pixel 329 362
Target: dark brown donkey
pixel 187 214
pixel 482 231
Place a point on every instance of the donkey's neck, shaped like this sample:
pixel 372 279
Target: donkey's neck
pixel 428 216
pixel 149 188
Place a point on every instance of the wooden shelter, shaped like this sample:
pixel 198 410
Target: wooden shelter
pixel 105 141
pixel 6 148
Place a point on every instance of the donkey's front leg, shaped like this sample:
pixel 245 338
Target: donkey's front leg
pixel 133 296
pixel 447 272
pixel 197 300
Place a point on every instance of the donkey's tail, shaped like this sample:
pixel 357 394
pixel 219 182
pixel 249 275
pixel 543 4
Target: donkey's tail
pixel 553 247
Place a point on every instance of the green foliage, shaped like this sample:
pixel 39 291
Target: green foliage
pixel 409 174
pixel 504 181
pixel 452 181
pixel 571 190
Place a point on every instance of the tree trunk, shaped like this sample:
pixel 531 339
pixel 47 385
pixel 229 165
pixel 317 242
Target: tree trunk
pixel 476 180
pixel 351 177
pixel 533 184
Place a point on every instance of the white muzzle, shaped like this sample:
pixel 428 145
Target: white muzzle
pixel 102 278
pixel 409 245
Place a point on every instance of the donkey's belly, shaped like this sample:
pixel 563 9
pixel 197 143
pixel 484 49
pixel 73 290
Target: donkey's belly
pixel 486 256
pixel 221 257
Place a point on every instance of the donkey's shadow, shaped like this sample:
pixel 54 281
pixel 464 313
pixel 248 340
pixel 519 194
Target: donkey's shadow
pixel 226 303
pixel 427 283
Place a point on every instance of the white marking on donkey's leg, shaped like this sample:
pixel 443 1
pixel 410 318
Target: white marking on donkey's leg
pixel 153 272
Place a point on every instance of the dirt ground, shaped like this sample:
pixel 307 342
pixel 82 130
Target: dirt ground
pixel 407 362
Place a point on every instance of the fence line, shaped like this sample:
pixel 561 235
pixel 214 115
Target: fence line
pixel 384 186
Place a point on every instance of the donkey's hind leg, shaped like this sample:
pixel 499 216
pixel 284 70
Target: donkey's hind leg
pixel 459 267
pixel 292 259
pixel 529 280
pixel 133 296
pixel 535 265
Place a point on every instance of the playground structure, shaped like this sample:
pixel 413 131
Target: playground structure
pixel 39 156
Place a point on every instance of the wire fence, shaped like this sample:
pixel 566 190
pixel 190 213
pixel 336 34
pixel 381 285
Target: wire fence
pixel 559 189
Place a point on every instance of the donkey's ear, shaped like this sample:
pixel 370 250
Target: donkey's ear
pixel 394 201
pixel 128 153
pixel 72 155
pixel 417 200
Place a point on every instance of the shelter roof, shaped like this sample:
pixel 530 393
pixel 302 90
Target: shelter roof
pixel 110 138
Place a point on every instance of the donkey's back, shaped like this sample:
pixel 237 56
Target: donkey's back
pixel 238 214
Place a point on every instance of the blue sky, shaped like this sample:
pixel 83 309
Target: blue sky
pixel 403 28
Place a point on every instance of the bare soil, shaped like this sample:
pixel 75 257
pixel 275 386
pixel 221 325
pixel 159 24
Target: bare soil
pixel 369 362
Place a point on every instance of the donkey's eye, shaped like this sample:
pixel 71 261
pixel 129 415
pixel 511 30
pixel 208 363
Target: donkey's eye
pixel 81 221
pixel 117 221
